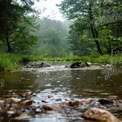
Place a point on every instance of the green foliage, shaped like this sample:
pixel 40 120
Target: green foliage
pixel 9 61
pixel 52 42
pixel 16 28
pixel 116 60
pixel 79 39
pixel 25 38
pixel 105 59
pixel 108 41
pixel 97 25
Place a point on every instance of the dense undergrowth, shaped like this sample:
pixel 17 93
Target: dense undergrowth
pixel 10 61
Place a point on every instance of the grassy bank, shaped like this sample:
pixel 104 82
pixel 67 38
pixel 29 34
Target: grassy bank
pixel 105 59
pixel 14 61
pixel 10 61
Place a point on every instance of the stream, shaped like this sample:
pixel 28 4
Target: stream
pixel 57 84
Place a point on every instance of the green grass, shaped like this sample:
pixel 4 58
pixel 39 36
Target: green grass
pixel 8 62
pixel 116 60
pixel 14 61
pixel 105 59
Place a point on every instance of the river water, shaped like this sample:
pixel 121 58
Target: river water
pixel 61 82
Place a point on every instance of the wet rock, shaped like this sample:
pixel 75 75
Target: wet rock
pixel 108 66
pixel 2 103
pixel 11 109
pixel 85 103
pixel 26 94
pixel 14 100
pixel 73 103
pixel 110 103
pixel 44 101
pixel 49 96
pixel 79 65
pixel 117 103
pixel 26 102
pixel 38 64
pixel 74 107
pixel 58 99
pixel 88 63
pixel 23 116
pixel 64 105
pixel 50 108
pixel 100 115
pixel 105 102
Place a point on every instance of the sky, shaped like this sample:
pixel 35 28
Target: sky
pixel 48 8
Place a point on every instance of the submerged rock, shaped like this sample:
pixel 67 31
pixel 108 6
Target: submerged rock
pixel 14 100
pixel 73 103
pixel 23 116
pixel 50 108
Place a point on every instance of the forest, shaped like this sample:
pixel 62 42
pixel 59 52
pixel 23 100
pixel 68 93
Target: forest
pixel 22 31
pixel 97 25
pixel 92 27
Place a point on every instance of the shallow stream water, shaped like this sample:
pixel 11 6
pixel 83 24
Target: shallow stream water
pixel 63 83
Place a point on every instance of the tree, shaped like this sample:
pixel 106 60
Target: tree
pixel 79 35
pixel 25 37
pixel 85 11
pixel 94 14
pixel 52 40
pixel 12 14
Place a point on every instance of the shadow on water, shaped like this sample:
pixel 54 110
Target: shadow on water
pixel 71 83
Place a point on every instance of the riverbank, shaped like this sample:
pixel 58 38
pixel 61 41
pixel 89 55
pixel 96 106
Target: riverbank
pixel 10 62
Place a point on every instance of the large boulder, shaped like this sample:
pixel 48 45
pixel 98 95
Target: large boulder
pixel 38 64
pixel 79 65
pixel 100 115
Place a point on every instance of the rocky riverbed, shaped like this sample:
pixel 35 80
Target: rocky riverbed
pixel 58 94
pixel 27 105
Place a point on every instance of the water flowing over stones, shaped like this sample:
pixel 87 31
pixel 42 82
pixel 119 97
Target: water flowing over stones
pixel 54 100
pixel 38 64
pixel 22 109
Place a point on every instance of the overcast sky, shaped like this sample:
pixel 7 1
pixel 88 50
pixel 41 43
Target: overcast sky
pixel 49 9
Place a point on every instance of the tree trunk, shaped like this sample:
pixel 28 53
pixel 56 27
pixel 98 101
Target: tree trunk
pixel 8 44
pixel 93 29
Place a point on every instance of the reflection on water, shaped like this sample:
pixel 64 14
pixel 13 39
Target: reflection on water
pixel 84 83
pixel 66 83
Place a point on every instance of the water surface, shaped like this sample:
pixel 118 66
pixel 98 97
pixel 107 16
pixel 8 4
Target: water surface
pixel 63 83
